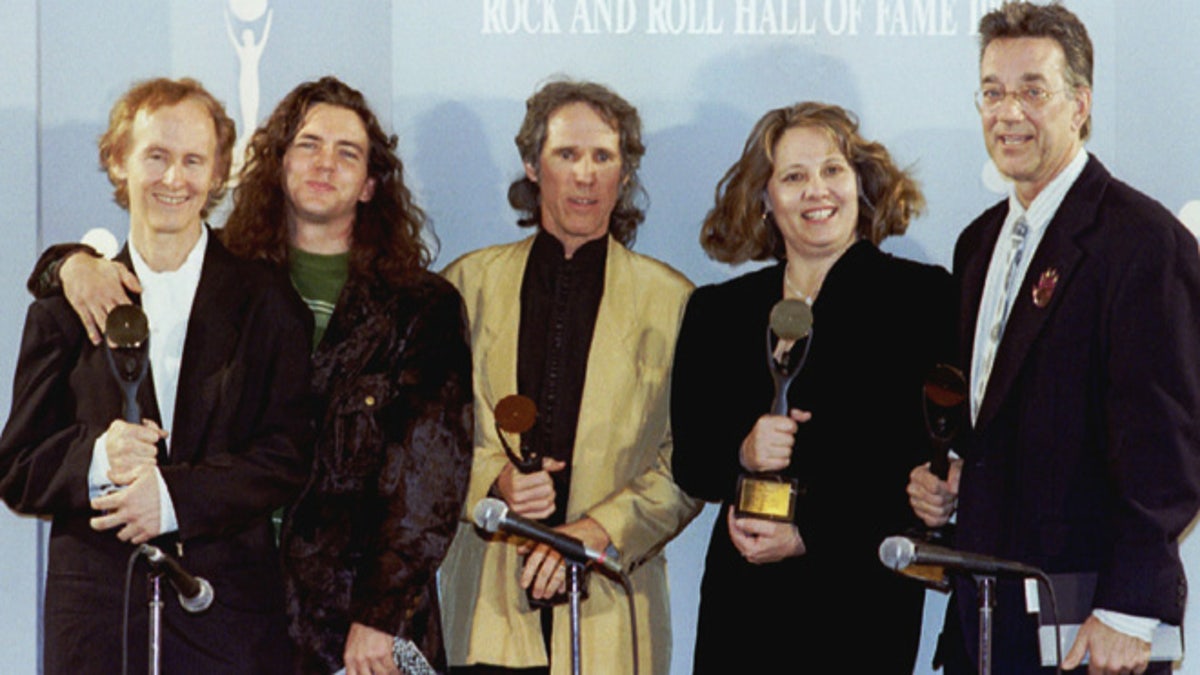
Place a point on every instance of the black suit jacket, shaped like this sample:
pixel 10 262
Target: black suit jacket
pixel 238 451
pixel 879 325
pixel 1085 453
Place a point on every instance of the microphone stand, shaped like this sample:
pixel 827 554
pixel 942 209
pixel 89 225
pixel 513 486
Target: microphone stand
pixel 987 607
pixel 154 578
pixel 575 591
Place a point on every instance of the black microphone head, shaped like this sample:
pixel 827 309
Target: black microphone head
pixel 489 512
pixel 897 553
pixel 791 319
pixel 126 327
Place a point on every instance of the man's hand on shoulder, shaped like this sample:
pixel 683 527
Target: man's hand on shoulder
pixel 94 286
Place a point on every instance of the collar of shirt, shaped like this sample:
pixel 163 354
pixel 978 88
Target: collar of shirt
pixel 548 253
pixel 167 301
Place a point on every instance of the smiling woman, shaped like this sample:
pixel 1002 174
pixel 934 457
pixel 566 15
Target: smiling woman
pixel 814 195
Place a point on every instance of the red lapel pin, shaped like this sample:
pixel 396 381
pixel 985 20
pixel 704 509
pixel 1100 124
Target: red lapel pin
pixel 1043 290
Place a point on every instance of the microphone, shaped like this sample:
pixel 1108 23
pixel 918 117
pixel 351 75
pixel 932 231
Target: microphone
pixel 195 593
pixel 898 553
pixel 492 515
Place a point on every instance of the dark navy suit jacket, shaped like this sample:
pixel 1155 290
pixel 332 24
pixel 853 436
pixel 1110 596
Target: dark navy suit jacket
pixel 1086 451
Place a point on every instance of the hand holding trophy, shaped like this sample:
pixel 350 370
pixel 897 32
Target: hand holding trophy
pixel 768 494
pixel 944 402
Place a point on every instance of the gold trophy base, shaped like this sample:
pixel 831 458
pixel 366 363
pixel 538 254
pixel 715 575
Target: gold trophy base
pixel 767 496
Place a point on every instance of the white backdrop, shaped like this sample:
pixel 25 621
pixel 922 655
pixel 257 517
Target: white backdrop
pixel 451 77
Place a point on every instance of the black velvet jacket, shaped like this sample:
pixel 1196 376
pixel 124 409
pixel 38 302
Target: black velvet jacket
pixel 392 458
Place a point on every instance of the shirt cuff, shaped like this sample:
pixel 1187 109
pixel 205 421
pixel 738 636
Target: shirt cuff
pixel 98 481
pixel 167 521
pixel 1140 627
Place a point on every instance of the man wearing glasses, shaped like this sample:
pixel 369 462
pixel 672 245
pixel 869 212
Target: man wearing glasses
pixel 1080 329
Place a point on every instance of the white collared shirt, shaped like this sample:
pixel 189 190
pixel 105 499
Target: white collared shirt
pixel 167 299
pixel 1039 214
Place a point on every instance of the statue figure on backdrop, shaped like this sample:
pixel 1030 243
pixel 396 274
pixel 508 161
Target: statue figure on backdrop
pixel 249 53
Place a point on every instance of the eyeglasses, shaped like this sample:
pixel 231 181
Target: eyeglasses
pixel 1032 97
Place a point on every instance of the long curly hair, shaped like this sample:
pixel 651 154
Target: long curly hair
pixel 739 227
pixel 387 237
pixel 524 195
pixel 150 95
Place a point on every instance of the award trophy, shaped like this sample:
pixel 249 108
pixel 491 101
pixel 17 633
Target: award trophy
pixel 944 402
pixel 127 348
pixel 770 495
pixel 516 414
pixel 945 398
pixel 126 341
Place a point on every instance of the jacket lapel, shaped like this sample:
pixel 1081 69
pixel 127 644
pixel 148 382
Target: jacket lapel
pixel 502 323
pixel 1060 253
pixel 206 368
pixel 973 278
pixel 610 385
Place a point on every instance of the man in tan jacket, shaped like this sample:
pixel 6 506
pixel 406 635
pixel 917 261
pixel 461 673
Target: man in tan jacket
pixel 572 319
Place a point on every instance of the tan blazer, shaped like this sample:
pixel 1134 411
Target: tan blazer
pixel 621 472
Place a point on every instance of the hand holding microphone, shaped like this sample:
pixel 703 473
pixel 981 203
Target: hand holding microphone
pixel 493 515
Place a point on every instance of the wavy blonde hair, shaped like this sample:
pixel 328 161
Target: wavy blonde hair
pixel 739 227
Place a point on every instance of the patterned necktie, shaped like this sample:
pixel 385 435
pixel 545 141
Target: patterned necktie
pixel 1000 315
